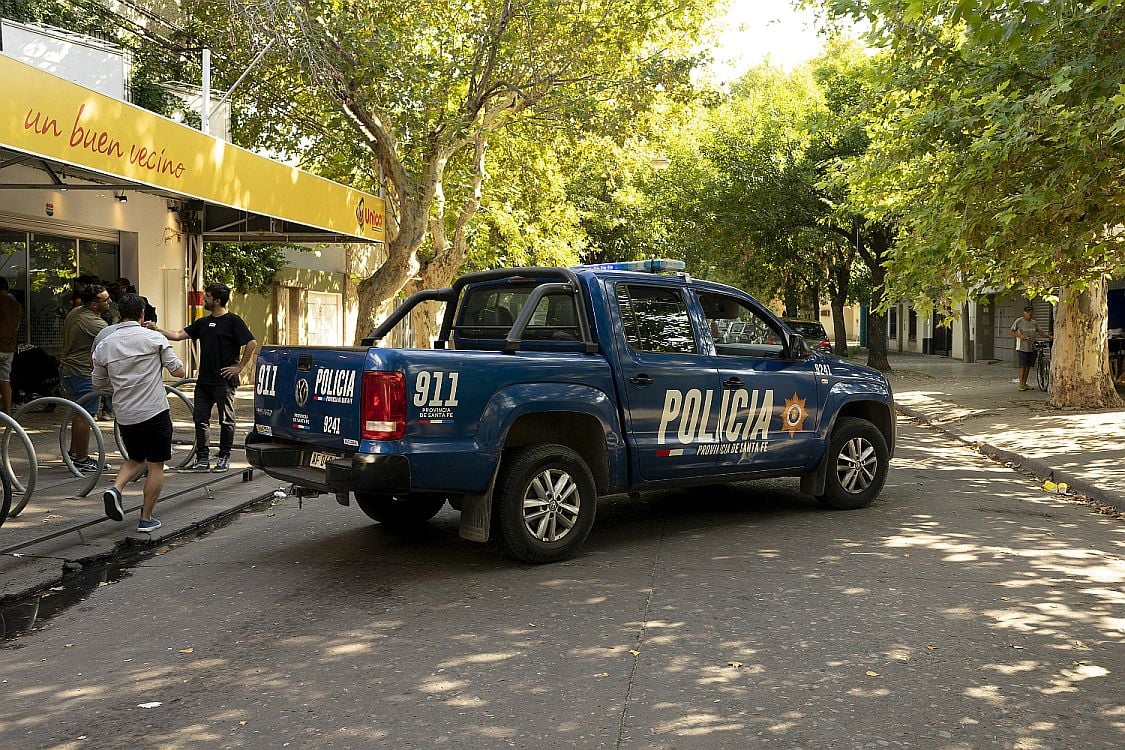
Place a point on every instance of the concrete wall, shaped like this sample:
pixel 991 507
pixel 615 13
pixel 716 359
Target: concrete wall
pixel 314 273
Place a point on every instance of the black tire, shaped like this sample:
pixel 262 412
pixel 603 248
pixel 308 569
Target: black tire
pixel 857 465
pixel 401 511
pixel 561 503
pixel 1043 371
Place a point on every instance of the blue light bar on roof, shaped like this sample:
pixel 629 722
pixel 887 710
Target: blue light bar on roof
pixel 651 266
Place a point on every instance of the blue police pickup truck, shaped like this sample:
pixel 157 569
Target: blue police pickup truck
pixel 548 388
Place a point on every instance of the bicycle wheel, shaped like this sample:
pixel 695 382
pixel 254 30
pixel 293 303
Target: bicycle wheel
pixel 1043 370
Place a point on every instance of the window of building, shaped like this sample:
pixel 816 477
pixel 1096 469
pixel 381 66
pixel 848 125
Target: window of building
pixel 912 325
pixel 892 322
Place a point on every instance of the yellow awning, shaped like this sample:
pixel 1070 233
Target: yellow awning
pixel 51 118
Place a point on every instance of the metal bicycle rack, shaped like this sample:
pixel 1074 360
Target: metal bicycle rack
pixel 8 476
pixel 11 507
pixel 68 407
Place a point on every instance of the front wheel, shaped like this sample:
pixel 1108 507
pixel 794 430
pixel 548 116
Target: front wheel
pixel 857 465
pixel 546 502
pixel 400 511
pixel 1043 371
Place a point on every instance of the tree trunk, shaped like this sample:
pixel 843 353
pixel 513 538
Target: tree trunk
pixel 360 261
pixel 839 298
pixel 967 353
pixel 877 323
pixel 1080 374
pixel 874 255
pixel 378 291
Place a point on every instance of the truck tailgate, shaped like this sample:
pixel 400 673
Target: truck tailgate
pixel 310 394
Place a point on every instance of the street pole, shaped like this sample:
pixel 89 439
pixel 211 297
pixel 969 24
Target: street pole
pixel 205 105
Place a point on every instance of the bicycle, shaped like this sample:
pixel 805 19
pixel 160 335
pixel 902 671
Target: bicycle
pixel 1043 364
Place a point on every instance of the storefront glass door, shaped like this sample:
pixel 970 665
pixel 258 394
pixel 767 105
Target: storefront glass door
pixel 41 269
pixel 52 267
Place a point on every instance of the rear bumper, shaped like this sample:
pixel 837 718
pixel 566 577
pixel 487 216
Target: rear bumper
pixel 360 472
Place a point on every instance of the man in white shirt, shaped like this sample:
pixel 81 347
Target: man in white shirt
pixel 128 363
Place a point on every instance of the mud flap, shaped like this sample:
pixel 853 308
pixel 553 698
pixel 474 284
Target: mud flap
pixel 476 513
pixel 813 482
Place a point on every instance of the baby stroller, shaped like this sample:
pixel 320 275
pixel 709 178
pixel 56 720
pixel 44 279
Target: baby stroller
pixel 35 373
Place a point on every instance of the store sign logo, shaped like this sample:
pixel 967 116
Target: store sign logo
pixel 365 216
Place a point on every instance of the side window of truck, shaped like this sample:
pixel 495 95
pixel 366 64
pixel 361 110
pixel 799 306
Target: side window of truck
pixel 738 330
pixel 655 319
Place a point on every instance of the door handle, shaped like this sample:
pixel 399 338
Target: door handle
pixel 641 379
pixel 733 382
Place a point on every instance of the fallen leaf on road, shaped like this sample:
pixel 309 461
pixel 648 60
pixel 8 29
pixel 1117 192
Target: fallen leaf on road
pixel 154 704
pixel 242 723
pixel 68 645
pixel 187 650
pixel 735 664
pixel 930 646
pixel 634 652
pixel 872 674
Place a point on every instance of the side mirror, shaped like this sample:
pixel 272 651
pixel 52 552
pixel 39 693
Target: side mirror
pixel 798 348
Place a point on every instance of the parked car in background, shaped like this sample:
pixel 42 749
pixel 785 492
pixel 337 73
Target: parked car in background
pixel 812 332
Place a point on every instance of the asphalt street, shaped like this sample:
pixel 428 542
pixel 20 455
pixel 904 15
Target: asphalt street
pixel 965 609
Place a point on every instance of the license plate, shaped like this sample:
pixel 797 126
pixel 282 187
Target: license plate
pixel 319 460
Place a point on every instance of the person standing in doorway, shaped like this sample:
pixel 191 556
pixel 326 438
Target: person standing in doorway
pixel 127 363
pixel 220 335
pixel 11 313
pixel 82 325
pixel 1024 329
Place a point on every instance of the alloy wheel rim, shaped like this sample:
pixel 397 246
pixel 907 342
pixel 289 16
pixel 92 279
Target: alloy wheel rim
pixel 856 465
pixel 551 504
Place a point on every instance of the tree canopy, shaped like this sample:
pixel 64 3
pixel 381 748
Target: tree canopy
pixel 996 149
pixel 380 92
pixel 999 142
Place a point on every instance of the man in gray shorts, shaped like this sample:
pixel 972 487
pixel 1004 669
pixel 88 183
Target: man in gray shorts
pixel 1024 331
pixel 11 313
pixel 128 364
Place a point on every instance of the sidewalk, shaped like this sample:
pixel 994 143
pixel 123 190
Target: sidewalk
pixel 980 404
pixel 189 500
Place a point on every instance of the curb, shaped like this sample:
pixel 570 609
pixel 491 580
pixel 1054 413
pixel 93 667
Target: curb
pixel 133 546
pixel 1039 468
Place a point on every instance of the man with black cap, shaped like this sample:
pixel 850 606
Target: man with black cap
pixel 1024 330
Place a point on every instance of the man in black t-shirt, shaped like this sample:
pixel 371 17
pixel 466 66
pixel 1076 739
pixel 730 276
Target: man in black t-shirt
pixel 221 335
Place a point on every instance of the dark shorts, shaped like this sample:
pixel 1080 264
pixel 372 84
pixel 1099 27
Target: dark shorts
pixel 150 440
pixel 1027 359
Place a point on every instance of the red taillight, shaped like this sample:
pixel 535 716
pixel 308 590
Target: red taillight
pixel 383 412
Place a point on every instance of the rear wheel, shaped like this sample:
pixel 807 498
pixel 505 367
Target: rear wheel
pixel 401 511
pixel 1043 371
pixel 857 465
pixel 546 501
